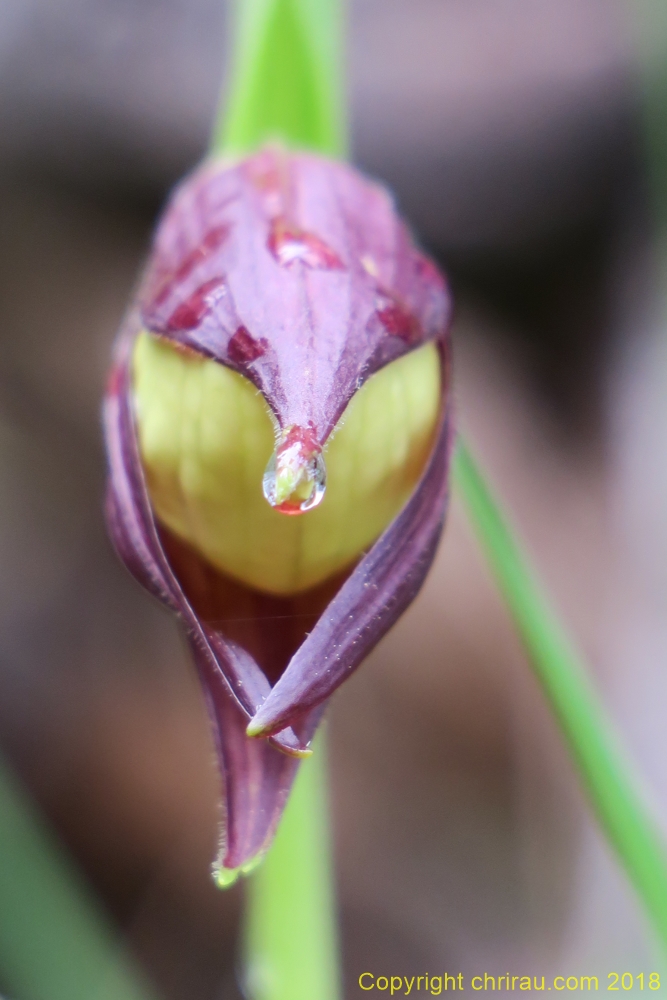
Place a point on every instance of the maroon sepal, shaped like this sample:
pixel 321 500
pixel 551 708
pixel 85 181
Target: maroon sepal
pixel 256 776
pixel 296 271
pixel 376 594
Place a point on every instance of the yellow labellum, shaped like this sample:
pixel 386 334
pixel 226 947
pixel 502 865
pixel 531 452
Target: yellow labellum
pixel 206 435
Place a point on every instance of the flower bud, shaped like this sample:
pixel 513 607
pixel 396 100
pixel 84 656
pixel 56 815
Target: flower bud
pixel 278 431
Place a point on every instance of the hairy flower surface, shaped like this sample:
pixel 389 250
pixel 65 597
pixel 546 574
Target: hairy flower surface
pixel 278 430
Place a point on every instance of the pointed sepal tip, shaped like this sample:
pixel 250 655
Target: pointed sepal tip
pixel 225 878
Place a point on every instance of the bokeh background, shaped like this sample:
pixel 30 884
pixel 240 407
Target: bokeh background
pixel 511 131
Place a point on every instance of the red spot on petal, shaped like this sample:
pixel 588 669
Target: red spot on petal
pixel 244 348
pixel 190 313
pixel 211 242
pixel 398 320
pixel 289 243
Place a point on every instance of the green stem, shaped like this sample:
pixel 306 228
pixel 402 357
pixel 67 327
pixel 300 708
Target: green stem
pixel 55 944
pixel 287 78
pixel 286 85
pixel 291 938
pixel 608 780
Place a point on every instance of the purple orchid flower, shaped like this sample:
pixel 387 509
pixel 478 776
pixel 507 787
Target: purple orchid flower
pixel 275 266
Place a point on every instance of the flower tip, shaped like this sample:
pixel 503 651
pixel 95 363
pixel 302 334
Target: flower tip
pixel 225 878
pixel 256 729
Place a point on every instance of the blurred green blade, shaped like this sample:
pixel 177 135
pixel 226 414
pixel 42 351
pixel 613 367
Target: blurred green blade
pixel 611 787
pixel 55 944
pixel 286 82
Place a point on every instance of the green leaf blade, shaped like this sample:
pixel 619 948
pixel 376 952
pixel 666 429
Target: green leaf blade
pixel 611 786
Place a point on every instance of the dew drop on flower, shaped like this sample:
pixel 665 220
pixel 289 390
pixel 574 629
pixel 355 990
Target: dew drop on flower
pixel 295 477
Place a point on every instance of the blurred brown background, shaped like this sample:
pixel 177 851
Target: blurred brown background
pixel 510 130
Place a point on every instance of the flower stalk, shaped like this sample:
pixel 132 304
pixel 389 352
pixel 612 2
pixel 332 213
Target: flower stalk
pixel 287 83
pixel 291 940
pixel 286 80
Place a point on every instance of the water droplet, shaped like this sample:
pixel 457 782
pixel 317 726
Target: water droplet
pixel 295 477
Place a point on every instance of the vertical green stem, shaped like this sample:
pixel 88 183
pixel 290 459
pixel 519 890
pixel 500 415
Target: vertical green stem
pixel 286 85
pixel 606 777
pixel 286 82
pixel 291 938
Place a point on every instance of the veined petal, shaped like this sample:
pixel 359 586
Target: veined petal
pixel 296 271
pixel 256 775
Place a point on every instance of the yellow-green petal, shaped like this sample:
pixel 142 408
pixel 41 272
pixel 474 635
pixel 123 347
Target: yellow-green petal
pixel 206 436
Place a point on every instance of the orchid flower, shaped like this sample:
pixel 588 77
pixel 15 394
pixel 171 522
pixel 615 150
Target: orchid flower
pixel 278 426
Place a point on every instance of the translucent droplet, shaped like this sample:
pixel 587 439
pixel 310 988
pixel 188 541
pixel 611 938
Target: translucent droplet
pixel 295 477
